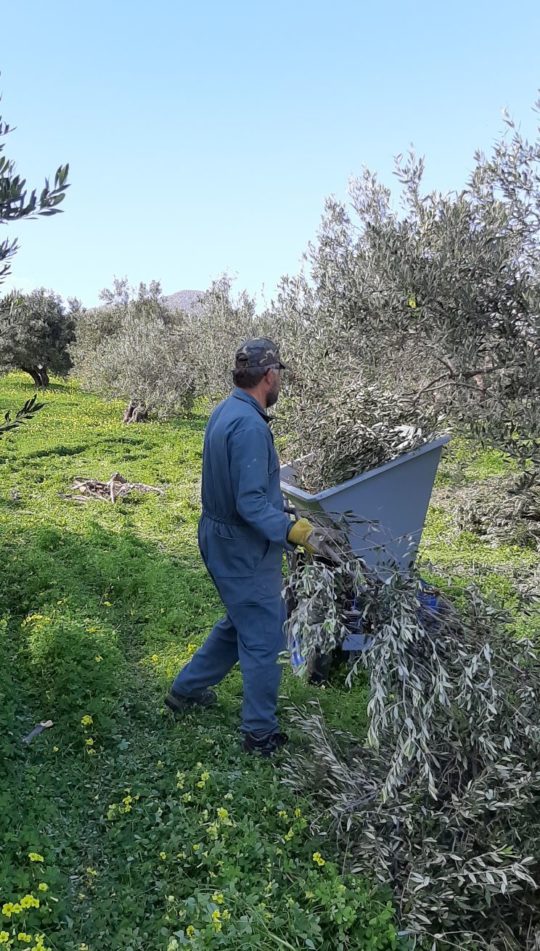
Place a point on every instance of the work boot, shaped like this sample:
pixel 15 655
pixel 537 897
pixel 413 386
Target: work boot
pixel 180 704
pixel 265 745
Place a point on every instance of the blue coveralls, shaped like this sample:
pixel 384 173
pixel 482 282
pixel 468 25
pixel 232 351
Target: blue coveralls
pixel 242 533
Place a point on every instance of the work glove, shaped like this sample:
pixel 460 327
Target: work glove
pixel 300 534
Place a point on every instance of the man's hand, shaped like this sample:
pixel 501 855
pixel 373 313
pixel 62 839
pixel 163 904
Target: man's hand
pixel 300 534
pixel 326 542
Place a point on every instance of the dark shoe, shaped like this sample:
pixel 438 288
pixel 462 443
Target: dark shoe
pixel 266 745
pixel 180 704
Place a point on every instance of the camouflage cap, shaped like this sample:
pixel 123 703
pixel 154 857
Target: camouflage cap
pixel 259 353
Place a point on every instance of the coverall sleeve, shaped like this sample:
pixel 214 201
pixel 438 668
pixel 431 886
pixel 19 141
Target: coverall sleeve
pixel 249 458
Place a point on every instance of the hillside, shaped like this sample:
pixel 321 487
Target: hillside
pixel 184 300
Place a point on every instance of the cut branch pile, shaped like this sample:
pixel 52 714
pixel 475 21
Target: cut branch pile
pixel 442 802
pixel 88 490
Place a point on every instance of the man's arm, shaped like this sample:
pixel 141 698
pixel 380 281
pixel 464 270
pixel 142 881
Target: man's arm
pixel 248 460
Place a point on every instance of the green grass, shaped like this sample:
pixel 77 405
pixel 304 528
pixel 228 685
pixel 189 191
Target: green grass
pixel 456 559
pixel 101 605
pixel 148 828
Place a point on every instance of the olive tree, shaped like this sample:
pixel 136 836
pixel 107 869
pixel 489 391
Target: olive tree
pixel 35 332
pixel 216 329
pixel 17 202
pixel 136 349
pixel 437 303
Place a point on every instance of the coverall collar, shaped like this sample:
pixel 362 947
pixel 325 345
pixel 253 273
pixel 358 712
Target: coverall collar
pixel 240 394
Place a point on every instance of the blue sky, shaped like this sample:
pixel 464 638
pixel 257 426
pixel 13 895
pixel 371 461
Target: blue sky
pixel 203 137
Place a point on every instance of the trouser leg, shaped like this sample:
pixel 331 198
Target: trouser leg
pixel 260 633
pixel 212 662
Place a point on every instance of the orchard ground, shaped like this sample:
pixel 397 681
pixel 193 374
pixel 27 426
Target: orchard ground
pixel 133 831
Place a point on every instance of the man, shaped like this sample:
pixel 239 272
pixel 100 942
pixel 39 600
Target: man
pixel 243 531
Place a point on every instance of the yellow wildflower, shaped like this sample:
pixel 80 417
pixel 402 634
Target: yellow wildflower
pixel 297 813
pixel 225 915
pixel 43 887
pixel 98 658
pixel 318 859
pixel 412 302
pixel 163 856
pixel 89 741
pixel 35 857
pixel 196 847
pixel 7 909
pixel 218 898
pixel 282 814
pixel 22 936
pixel 29 902
pixel 289 835
pixel 187 797
pixel 223 814
pixel 87 720
pixel 190 931
pixel 91 752
pixel 180 780
pixel 4 937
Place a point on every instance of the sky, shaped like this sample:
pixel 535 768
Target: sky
pixel 203 137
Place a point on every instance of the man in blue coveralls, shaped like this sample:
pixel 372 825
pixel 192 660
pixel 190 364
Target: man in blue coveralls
pixel 243 531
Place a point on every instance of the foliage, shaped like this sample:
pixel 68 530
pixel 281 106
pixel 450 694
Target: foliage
pixel 350 429
pixel 136 348
pixel 501 512
pixel 437 303
pixel 443 802
pixel 102 605
pixel 26 412
pixel 217 328
pixel 16 202
pixel 35 332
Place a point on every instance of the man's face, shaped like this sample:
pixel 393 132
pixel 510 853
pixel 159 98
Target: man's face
pixel 274 386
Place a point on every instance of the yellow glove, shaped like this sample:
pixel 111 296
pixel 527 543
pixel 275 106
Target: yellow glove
pixel 300 534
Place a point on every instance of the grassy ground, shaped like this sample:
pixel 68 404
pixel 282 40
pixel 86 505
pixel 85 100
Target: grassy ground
pixel 130 830
pixel 146 833
pixel 502 571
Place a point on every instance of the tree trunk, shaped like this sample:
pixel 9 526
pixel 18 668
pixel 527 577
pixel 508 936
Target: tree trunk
pixel 34 373
pixel 135 413
pixel 39 375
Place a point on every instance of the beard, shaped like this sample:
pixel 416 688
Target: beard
pixel 272 396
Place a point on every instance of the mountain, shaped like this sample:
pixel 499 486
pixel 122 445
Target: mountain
pixel 184 300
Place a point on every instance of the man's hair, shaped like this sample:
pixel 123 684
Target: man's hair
pixel 248 377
